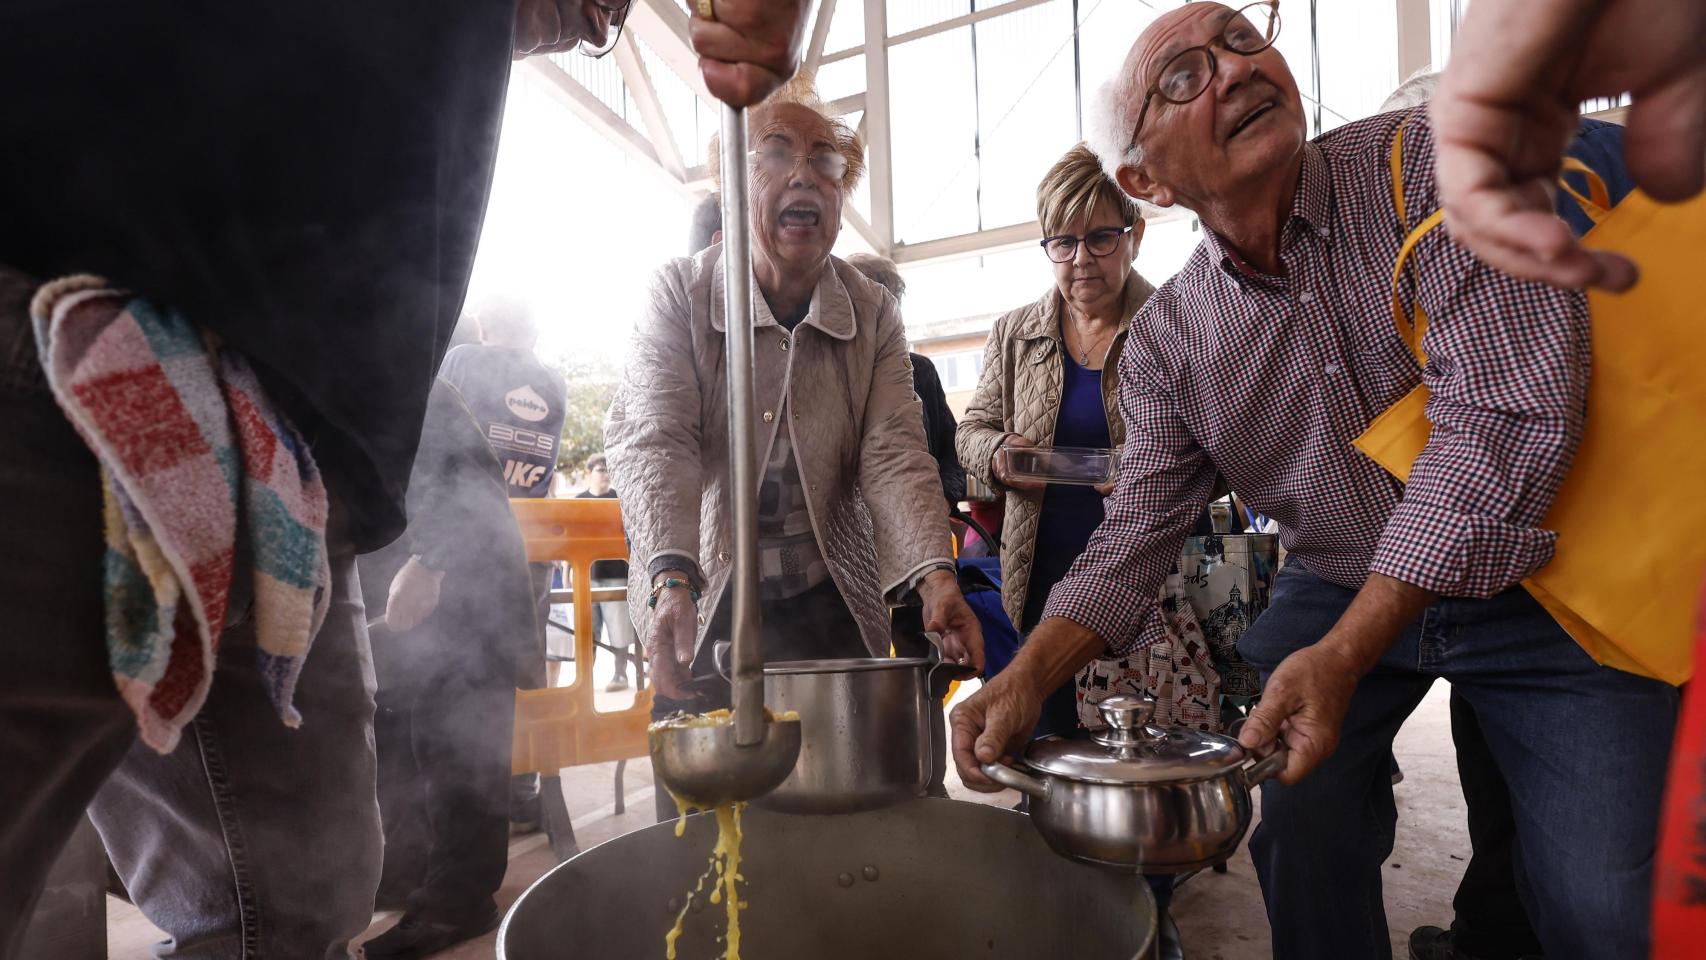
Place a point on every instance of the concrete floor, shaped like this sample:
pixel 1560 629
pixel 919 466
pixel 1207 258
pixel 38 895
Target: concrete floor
pixel 1220 915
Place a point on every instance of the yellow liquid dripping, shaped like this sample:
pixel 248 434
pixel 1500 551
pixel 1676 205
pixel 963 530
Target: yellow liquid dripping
pixel 725 863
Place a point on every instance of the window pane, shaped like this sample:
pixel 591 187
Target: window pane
pixel 1026 103
pixel 933 128
pixel 847 29
pixel 1295 45
pixel 843 77
pixel 1359 58
pixel 908 15
pixel 1105 35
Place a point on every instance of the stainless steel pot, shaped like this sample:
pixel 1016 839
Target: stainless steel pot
pixel 866 727
pixel 925 879
pixel 1137 797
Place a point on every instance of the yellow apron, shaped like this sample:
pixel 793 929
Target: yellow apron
pixel 1631 514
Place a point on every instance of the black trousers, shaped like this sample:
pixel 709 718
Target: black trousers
pixel 1490 920
pixel 443 737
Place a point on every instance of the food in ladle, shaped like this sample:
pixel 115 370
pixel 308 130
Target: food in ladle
pixel 725 856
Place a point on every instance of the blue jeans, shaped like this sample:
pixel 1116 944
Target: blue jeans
pixel 1583 747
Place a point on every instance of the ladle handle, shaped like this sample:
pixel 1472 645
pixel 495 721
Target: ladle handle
pixel 748 658
pixel 1022 782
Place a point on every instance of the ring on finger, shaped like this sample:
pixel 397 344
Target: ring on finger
pixel 706 12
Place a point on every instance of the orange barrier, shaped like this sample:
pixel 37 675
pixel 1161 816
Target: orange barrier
pixel 558 726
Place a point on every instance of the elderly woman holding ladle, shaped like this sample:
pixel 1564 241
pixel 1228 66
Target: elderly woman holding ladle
pixel 848 506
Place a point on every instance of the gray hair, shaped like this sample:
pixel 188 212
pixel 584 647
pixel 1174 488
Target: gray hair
pixel 707 221
pixel 1414 92
pixel 880 270
pixel 1106 130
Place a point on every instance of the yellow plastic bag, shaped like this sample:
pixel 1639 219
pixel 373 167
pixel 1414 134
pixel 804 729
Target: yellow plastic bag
pixel 1630 515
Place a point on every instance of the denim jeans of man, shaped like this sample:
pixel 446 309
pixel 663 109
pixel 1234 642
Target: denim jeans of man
pixel 1583 748
pixel 248 840
pixel 1489 920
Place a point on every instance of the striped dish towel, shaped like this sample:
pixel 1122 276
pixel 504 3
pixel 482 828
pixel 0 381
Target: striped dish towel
pixel 192 453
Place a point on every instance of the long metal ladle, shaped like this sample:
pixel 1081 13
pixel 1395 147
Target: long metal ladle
pixel 714 763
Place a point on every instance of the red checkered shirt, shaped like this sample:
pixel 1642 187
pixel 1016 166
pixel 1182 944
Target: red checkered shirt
pixel 1269 378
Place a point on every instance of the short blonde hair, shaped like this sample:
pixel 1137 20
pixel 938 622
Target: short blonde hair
pixel 1074 187
pixel 802 91
pixel 880 270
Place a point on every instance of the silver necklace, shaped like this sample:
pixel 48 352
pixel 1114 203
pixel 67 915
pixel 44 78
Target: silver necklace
pixel 1084 354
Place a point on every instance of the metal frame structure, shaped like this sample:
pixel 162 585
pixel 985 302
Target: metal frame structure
pixel 646 134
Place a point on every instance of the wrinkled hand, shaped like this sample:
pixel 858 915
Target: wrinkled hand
pixel 413 597
pixel 998 465
pixel 1303 704
pixel 993 724
pixel 750 49
pixel 947 613
pixel 670 642
pixel 554 26
pixel 1507 108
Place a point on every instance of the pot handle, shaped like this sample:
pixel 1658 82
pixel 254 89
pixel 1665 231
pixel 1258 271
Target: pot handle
pixel 944 672
pixel 1264 768
pixel 1022 782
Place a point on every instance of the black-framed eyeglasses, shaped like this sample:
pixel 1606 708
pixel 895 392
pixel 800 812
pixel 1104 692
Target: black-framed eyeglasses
pixel 1250 30
pixel 1100 243
pixel 618 11
pixel 779 161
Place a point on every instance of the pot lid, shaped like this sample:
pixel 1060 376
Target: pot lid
pixel 1131 750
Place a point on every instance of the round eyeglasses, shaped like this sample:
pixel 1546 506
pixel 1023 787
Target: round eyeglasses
pixel 1100 243
pixel 780 161
pixel 617 12
pixel 1250 30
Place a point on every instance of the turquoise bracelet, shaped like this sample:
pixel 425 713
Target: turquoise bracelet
pixel 666 583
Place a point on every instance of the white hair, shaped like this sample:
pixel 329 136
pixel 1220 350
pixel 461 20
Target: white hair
pixel 1106 132
pixel 1413 92
pixel 1107 129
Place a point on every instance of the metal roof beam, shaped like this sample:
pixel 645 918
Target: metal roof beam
pixel 663 25
pixel 645 95
pixel 876 124
pixel 964 19
pixel 586 105
pixel 969 244
pixel 820 34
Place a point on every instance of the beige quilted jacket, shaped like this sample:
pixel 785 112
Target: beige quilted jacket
pixel 855 424
pixel 1019 392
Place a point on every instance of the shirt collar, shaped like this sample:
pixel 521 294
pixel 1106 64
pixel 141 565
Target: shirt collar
pixel 831 308
pixel 1311 209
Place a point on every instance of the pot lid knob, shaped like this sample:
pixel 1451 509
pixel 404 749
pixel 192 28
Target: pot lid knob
pixel 1127 718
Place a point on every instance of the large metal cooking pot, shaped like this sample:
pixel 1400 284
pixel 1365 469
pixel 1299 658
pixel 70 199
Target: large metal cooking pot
pixel 1138 797
pixel 925 879
pixel 865 730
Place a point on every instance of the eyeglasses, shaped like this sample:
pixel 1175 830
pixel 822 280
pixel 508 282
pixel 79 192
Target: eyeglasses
pixel 779 161
pixel 1184 77
pixel 1064 248
pixel 618 12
